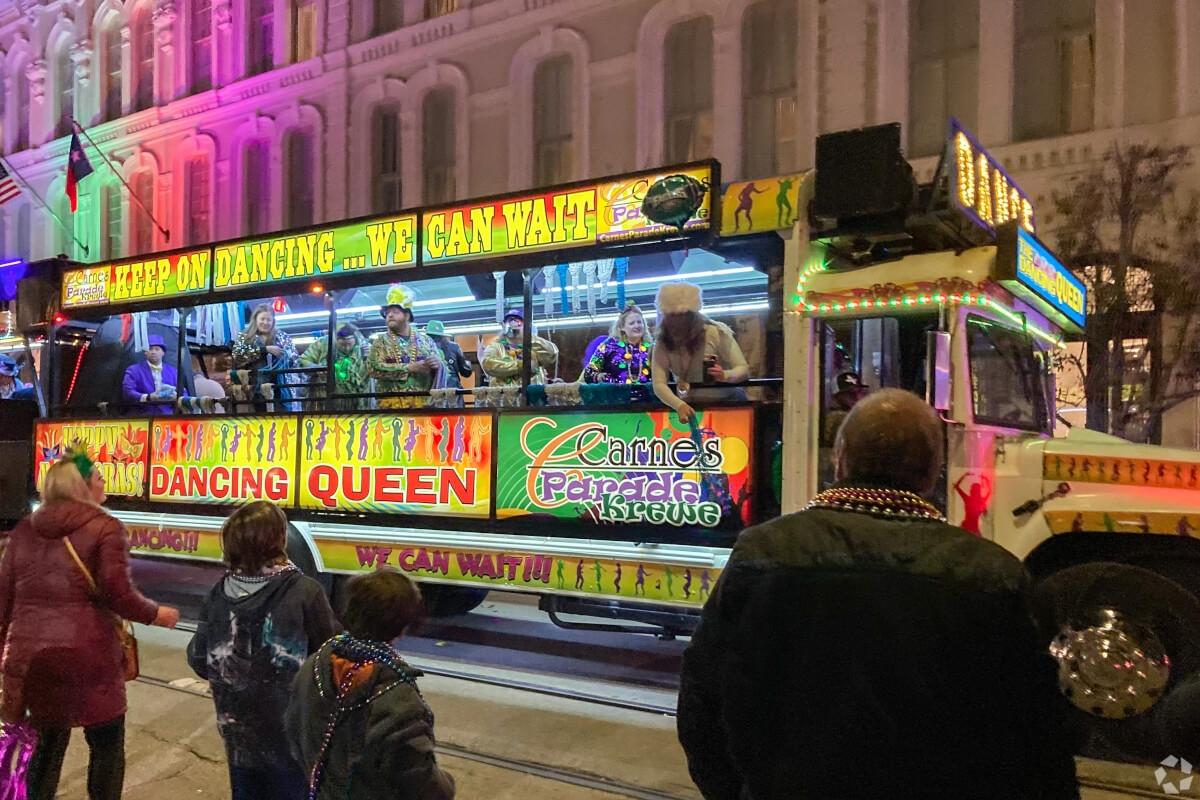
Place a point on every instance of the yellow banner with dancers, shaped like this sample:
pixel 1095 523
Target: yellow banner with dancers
pixel 223 460
pixel 431 463
pixel 631 579
pixel 1148 472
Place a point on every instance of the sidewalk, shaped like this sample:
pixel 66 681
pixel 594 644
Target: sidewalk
pixel 173 750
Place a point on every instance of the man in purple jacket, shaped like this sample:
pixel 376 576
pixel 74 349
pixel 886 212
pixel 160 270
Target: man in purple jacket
pixel 151 380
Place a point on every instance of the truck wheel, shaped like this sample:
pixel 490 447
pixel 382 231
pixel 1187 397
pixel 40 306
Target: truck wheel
pixel 449 601
pixel 1127 642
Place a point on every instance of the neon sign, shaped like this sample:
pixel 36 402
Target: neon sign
pixel 981 189
pixel 1027 268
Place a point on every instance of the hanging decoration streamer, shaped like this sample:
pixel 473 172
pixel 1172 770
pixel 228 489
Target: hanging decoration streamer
pixel 576 287
pixel 561 269
pixel 499 276
pixel 604 271
pixel 622 267
pixel 589 278
pixel 549 273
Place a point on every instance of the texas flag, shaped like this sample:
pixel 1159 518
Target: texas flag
pixel 78 168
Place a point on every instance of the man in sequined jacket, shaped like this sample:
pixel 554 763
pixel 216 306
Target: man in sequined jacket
pixel 864 648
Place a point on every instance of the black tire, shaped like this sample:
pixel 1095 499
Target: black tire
pixel 450 601
pixel 300 555
pixel 1156 606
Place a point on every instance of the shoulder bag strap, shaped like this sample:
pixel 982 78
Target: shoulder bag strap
pixel 87 575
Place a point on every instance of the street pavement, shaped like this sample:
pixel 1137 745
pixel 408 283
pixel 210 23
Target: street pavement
pixel 173 750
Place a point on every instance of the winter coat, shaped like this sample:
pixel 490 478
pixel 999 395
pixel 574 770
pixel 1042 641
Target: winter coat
pixel 249 644
pixel 62 659
pixel 847 656
pixel 383 748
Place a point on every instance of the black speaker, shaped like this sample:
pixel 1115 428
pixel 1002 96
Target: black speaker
pixel 862 173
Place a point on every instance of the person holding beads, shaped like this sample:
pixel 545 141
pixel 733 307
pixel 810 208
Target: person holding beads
pixel 624 357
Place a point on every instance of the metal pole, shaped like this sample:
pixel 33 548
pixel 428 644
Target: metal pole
pixel 38 390
pixel 527 337
pixel 165 232
pixel 179 348
pixel 330 360
pixel 29 186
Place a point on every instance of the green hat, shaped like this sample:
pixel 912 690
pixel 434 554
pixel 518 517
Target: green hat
pixel 435 328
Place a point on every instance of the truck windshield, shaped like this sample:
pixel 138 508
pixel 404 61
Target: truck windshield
pixel 1009 377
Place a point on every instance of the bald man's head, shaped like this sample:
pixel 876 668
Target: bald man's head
pixel 891 438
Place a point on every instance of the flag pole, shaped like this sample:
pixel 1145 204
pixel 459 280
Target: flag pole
pixel 166 233
pixel 29 186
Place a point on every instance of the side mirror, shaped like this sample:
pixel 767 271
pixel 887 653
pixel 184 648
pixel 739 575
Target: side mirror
pixel 937 365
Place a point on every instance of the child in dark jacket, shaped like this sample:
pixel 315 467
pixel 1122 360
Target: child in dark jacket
pixel 258 625
pixel 356 720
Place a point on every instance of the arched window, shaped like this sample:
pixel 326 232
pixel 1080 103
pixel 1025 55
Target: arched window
pixel 769 83
pixel 64 74
pixel 943 70
pixel 261 55
pixel 21 108
pixel 1054 68
pixel 388 16
pixel 304 30
pixel 553 112
pixel 199 198
pixel 255 191
pixel 438 146
pixel 66 231
pixel 202 45
pixel 141 227
pixel 24 232
pixel 385 148
pixel 299 178
pixel 143 39
pixel 113 219
pixel 112 71
pixel 688 90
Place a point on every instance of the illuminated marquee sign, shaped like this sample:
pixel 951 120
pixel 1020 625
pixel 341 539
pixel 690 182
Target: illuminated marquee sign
pixel 154 278
pixel 118 448
pixel 627 468
pixel 980 187
pixel 560 219
pixel 376 244
pixel 1026 267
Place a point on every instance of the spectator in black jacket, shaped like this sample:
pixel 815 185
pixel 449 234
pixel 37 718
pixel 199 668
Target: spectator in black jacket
pixel 864 648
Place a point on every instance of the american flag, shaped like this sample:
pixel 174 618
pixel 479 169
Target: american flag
pixel 8 187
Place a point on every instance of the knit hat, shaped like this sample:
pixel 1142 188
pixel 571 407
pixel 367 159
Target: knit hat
pixel 677 297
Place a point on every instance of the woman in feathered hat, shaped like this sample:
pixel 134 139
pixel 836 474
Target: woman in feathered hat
pixel 403 359
pixel 699 352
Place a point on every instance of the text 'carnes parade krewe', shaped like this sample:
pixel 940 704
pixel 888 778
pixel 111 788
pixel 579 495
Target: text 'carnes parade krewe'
pixel 641 479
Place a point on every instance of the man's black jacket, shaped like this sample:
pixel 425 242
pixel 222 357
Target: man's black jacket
pixel 847 656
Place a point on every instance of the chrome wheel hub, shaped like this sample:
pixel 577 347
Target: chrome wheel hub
pixel 1112 667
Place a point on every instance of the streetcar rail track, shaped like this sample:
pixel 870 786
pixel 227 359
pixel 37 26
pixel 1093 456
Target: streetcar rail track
pixel 575 778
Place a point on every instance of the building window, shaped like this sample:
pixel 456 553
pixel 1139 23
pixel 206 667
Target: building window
pixel 300 178
pixel 769 82
pixel 65 75
pixel 255 197
pixel 943 70
pixel 385 147
pixel 388 15
pixel 1054 68
pixel 261 57
pixel 304 30
pixel 112 72
pixel 141 233
pixel 143 37
pixel 21 108
pixel 553 113
pixel 199 194
pixel 688 90
pixel 438 143
pixel 201 45
pixel 113 220
pixel 438 8
pixel 24 232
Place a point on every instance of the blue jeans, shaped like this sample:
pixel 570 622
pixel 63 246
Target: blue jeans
pixel 263 783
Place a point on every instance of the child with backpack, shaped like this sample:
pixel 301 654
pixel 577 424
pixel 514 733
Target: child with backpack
pixel 356 720
pixel 258 625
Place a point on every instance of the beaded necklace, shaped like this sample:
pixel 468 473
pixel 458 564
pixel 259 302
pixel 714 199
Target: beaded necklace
pixel 632 366
pixel 263 577
pixel 888 503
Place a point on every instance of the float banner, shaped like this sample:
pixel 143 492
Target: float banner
pixel 979 186
pixel 174 542
pixel 118 448
pixel 379 245
pixel 223 460
pixel 1143 472
pixel 558 219
pixel 760 206
pixel 632 579
pixel 628 468
pixel 1029 270
pixel 398 464
pixel 1161 522
pixel 156 278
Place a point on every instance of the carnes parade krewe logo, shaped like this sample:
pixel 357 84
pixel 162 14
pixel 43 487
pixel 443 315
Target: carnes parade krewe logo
pixel 616 478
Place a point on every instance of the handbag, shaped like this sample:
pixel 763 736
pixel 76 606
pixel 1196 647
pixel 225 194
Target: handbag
pixel 17 742
pixel 129 645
